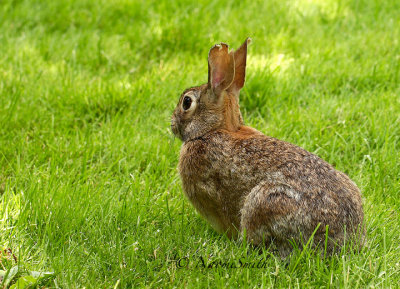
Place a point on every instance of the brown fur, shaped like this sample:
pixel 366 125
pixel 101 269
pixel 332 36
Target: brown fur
pixel 241 180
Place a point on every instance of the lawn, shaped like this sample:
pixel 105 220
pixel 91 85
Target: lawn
pixel 89 186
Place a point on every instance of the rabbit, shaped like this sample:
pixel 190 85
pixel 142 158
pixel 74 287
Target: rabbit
pixel 245 183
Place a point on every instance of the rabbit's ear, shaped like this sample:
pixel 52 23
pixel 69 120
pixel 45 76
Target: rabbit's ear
pixel 240 68
pixel 221 68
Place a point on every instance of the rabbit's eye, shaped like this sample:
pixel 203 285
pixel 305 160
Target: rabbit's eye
pixel 187 102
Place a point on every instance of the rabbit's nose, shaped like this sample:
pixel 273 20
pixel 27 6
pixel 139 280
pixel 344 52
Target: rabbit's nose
pixel 174 126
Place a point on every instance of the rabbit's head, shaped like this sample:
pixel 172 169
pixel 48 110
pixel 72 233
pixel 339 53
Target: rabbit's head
pixel 214 105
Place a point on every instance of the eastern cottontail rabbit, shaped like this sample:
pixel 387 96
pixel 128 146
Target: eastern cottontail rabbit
pixel 241 180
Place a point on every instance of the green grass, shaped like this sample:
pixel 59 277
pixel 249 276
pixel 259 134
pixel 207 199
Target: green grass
pixel 88 181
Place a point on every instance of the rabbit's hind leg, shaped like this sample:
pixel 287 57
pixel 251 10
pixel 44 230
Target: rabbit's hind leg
pixel 270 215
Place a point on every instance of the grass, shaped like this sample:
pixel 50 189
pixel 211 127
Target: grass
pixel 88 182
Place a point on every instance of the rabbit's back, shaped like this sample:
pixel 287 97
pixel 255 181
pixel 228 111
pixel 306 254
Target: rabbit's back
pixel 220 170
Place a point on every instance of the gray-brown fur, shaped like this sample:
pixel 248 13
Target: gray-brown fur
pixel 241 180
